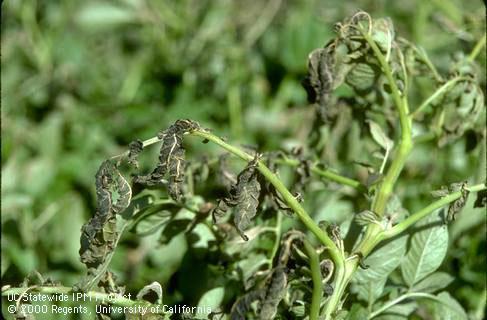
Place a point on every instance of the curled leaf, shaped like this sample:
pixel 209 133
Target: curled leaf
pixel 274 293
pixel 171 159
pixel 457 205
pixel 151 293
pixel 365 218
pixel 244 198
pixel 135 148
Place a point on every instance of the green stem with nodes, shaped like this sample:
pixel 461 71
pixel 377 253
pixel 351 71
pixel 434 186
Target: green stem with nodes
pixel 290 200
pixel 314 264
pixel 100 297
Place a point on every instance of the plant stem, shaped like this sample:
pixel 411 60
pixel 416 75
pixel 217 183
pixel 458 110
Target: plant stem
pixel 476 50
pixel 405 144
pixel 330 175
pixel 281 188
pixel 415 217
pixel 435 95
pixel 314 263
pixel 115 299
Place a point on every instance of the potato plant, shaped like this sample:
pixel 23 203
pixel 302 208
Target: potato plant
pixel 381 262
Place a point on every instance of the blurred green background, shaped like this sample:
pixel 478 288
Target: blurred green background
pixel 81 79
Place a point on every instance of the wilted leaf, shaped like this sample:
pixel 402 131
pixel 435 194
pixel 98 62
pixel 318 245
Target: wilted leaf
pixel 151 293
pixel 427 250
pixel 274 293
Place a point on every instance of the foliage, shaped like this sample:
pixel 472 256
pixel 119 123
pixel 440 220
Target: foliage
pixel 332 214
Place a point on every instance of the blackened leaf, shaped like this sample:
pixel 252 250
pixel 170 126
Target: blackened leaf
pixel 242 306
pixel 151 293
pixel 135 148
pixel 481 200
pixel 457 205
pixel 171 159
pixel 245 198
pixel 274 294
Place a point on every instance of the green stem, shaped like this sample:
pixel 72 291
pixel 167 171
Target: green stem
pixel 327 174
pixel 314 263
pixel 114 299
pixel 476 50
pixel 415 217
pixel 435 95
pixel 405 144
pixel 281 188
pixel 339 285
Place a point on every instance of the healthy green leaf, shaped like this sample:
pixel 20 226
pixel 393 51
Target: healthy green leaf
pixel 427 250
pixel 433 282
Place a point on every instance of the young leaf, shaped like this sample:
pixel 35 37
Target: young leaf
pixel 433 282
pixel 427 250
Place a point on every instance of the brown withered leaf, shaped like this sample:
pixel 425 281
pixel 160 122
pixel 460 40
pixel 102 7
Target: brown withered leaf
pixel 99 235
pixel 171 159
pixel 274 293
pixel 244 198
pixel 135 148
pixel 243 305
pixel 457 205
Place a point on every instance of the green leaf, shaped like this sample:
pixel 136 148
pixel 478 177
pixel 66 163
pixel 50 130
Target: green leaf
pixel 210 300
pixel 383 260
pixel 427 250
pixel 433 282
pixel 357 312
pixel 369 291
pixel 446 308
pixel 379 136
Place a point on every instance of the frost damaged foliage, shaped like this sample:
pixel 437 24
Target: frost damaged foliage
pixel 244 198
pixel 171 160
pixel 456 206
pixel 100 235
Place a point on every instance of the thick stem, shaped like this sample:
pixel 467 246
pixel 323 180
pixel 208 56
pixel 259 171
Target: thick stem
pixel 290 200
pixel 314 263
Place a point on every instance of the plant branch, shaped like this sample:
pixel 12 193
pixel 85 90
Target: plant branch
pixel 476 50
pixel 327 174
pixel 281 188
pixel 405 143
pixel 435 95
pixel 314 263
pixel 415 217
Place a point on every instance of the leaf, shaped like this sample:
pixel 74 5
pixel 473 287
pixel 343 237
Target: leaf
pixel 211 300
pixel 151 293
pixel 427 250
pixel 369 291
pixel 379 136
pixel 357 312
pixel 446 308
pixel 365 218
pixel 274 294
pixel 433 282
pixel 457 205
pixel 244 198
pixel 242 306
pixel 100 234
pixel 383 260
pixel 135 148
pixel 171 159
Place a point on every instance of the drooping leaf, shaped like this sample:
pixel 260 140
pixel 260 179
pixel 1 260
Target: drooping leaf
pixel 171 159
pixel 274 293
pixel 151 293
pixel 434 282
pixel 243 305
pixel 427 250
pixel 135 148
pixel 457 205
pixel 244 199
pixel 101 233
